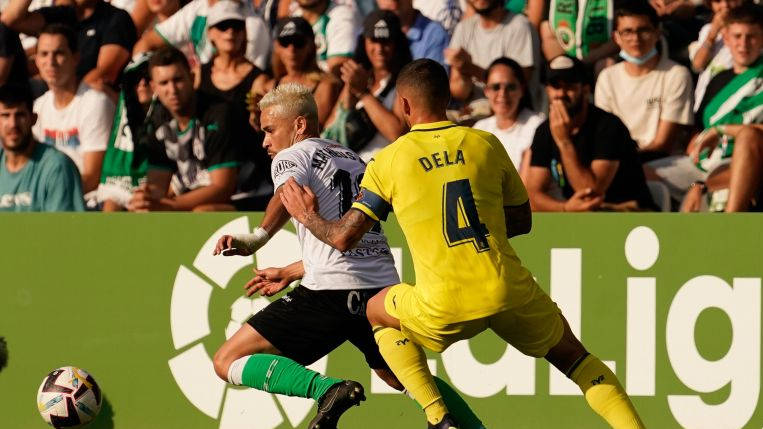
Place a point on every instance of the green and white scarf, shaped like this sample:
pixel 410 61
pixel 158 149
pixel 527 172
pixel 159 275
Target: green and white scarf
pixel 739 102
pixel 580 25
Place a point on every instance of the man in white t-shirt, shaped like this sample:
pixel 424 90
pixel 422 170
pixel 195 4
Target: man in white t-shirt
pixel 72 116
pixel 650 93
pixel 336 27
pixel 189 25
pixel 491 33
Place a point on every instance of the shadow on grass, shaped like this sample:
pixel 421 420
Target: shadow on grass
pixel 105 419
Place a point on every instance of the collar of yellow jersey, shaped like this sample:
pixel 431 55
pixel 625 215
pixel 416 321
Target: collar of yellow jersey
pixel 433 126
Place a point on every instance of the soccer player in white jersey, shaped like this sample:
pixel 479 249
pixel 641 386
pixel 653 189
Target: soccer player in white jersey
pixel 271 350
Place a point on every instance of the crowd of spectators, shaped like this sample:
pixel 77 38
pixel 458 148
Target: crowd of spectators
pixel 146 105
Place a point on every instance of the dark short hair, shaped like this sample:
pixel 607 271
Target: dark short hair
pixel 63 30
pixel 167 56
pixel 636 8
pixel 525 102
pixel 747 13
pixel 430 82
pixel 14 94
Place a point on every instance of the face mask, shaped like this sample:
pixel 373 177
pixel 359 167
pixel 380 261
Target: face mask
pixel 638 60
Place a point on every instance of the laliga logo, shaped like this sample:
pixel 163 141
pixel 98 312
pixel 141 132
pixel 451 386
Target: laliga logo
pixel 235 407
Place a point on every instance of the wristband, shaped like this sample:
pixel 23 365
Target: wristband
pixel 699 184
pixel 251 242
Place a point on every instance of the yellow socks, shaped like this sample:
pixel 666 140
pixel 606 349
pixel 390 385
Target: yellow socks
pixel 409 364
pixel 605 394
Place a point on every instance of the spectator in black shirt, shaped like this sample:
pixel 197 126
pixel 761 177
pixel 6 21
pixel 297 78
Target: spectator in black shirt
pixel 13 62
pixel 105 35
pixel 230 76
pixel 192 143
pixel 586 151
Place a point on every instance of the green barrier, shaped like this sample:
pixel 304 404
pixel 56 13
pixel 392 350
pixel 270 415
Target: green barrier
pixel 672 303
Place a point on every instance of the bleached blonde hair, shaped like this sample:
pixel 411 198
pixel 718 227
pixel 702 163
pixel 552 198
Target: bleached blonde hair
pixel 292 99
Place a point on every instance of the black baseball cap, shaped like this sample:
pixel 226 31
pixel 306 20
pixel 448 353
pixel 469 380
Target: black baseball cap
pixel 565 69
pixel 381 25
pixel 293 28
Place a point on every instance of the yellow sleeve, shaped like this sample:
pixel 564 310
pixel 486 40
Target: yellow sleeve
pixel 374 198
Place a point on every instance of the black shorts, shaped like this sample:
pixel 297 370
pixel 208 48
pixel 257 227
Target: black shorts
pixel 306 325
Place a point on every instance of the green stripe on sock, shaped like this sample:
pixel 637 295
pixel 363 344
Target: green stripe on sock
pixel 278 374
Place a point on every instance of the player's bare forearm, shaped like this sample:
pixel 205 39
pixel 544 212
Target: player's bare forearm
pixel 342 234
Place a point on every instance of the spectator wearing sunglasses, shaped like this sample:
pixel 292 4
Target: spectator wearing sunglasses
pixel 514 121
pixel 183 28
pixel 230 76
pixel 294 61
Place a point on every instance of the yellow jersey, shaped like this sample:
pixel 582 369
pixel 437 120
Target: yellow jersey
pixel 448 186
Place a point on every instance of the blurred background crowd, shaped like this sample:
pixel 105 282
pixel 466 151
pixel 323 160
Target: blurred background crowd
pixel 602 105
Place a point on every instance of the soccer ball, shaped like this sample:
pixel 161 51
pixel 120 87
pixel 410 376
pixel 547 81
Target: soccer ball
pixel 68 398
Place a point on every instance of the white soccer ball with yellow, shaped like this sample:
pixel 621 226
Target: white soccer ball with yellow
pixel 68 397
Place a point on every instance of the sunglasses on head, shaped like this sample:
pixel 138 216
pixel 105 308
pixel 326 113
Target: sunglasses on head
pixel 502 86
pixel 298 42
pixel 231 23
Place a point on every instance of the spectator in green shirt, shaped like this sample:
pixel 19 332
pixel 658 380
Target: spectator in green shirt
pixel 33 176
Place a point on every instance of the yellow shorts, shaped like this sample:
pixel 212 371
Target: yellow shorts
pixel 532 328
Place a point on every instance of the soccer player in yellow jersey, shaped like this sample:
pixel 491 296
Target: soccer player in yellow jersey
pixel 457 198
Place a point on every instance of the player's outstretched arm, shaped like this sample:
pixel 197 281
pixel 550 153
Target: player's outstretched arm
pixel 341 235
pixel 270 281
pixel 519 219
pixel 246 244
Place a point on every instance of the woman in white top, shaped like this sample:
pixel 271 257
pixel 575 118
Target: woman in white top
pixel 708 54
pixel 514 121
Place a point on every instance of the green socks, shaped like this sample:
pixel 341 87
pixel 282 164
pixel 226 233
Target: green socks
pixel 278 374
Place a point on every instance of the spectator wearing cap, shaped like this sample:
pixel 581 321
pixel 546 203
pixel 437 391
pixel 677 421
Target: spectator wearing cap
pixel 650 93
pixel 33 176
pixel 72 116
pixel 478 40
pixel 229 74
pixel 514 121
pixel 366 117
pixel 230 77
pixel 336 27
pixel 583 158
pixel 185 27
pixel 427 38
pixel 105 35
pixel 294 61
pixel 192 140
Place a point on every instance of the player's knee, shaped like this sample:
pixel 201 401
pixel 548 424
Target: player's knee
pixel 374 310
pixel 221 363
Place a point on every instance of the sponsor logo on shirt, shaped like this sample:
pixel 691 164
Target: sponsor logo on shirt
pixel 653 102
pixel 282 167
pixel 68 137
